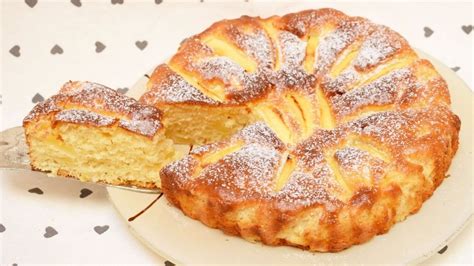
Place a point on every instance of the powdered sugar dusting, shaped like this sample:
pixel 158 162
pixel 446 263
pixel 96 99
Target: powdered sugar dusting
pixel 222 68
pixel 390 128
pixel 252 169
pixel 239 85
pixel 311 151
pixel 260 133
pixel 378 46
pixel 95 104
pixel 306 189
pixel 381 92
pixel 333 44
pixel 341 83
pixel 97 97
pixel 294 78
pixel 351 158
pixel 356 162
pixel 293 50
pixel 48 106
pixel 144 127
pixel 180 171
pixel 84 117
pixel 291 73
pixel 174 89
pixel 301 23
pixel 257 45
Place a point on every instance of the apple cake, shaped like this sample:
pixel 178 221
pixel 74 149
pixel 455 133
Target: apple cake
pixel 326 129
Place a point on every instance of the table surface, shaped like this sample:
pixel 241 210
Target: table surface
pixel 45 43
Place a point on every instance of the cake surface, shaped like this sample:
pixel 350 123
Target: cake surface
pixel 339 129
pixel 93 133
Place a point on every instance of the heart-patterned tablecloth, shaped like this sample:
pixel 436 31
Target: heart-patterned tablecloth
pixel 45 43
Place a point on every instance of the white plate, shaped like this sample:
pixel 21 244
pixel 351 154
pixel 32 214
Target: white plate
pixel 183 240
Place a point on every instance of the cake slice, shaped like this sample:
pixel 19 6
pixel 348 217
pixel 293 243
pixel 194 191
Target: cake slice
pixel 93 133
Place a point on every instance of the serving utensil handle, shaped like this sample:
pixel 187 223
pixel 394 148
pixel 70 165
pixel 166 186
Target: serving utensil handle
pixel 13 150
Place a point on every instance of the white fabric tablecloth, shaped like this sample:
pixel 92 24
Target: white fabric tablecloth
pixel 45 43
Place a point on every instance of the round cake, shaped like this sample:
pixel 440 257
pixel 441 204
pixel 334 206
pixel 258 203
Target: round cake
pixel 318 130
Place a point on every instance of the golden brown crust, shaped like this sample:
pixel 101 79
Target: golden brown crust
pixel 382 141
pixel 303 22
pixel 96 105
